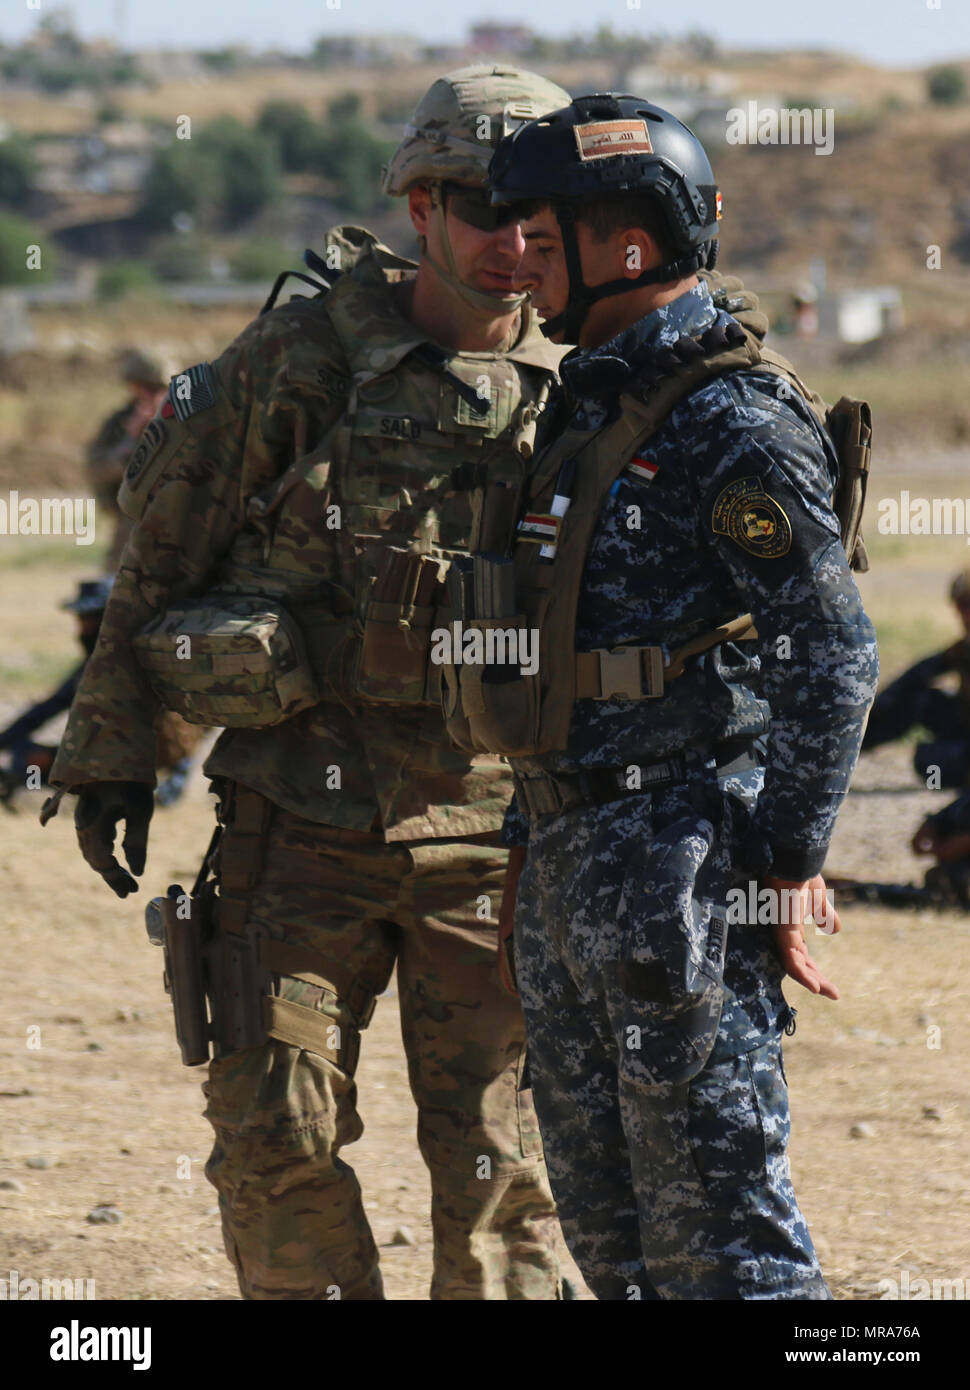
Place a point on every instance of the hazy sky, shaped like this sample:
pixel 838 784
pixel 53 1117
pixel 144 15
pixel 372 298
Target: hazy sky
pixel 898 32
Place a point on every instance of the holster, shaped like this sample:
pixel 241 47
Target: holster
pixel 223 972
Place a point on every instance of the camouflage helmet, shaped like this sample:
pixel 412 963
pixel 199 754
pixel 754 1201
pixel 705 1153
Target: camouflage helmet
pixel 142 369
pixel 960 588
pixel 461 118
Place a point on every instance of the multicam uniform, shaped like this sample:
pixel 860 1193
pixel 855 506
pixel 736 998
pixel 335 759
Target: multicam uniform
pixel 357 838
pixel 109 450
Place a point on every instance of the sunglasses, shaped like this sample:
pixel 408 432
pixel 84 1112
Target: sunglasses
pixel 473 205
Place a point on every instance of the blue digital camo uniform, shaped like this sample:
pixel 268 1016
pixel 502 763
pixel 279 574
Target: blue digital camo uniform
pixel 659 1084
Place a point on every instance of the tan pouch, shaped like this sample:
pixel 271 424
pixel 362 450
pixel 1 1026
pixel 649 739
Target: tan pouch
pixel 396 645
pixel 235 660
pixel 496 709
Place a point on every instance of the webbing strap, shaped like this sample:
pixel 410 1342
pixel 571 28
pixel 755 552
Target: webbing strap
pixel 311 1032
pixel 300 963
pixel 241 854
pixel 639 673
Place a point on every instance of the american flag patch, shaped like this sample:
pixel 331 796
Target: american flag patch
pixel 539 526
pixel 192 390
pixel 644 469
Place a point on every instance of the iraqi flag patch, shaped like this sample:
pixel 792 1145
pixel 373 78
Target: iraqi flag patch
pixel 644 470
pixel 607 139
pixel 539 526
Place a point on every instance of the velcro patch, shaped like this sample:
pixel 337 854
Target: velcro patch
pixel 643 469
pixel 605 139
pixel 192 390
pixel 753 520
pixel 539 526
pixel 144 451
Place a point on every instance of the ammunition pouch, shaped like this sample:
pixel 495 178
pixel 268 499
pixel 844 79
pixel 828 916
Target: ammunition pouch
pixel 225 975
pixel 404 603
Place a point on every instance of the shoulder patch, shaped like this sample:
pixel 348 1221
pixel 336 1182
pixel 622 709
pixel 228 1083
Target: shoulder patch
pixel 192 390
pixel 144 451
pixel 752 519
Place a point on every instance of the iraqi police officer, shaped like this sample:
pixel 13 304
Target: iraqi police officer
pixel 324 461
pixel 670 759
pixel 914 700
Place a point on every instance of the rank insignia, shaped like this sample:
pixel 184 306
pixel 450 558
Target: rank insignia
pixel 753 520
pixel 192 390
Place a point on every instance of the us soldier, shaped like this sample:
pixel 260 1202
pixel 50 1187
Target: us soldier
pixel 322 438
pixel 27 757
pixel 913 700
pixel 654 1026
pixel 109 451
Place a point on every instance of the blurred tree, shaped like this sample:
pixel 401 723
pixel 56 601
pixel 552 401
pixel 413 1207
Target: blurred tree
pixel 249 163
pixel 125 277
pixel 16 236
pixel 353 157
pixel 221 176
pixel 221 59
pixel 261 260
pixel 946 86
pixel 297 134
pixel 17 166
pixel 183 178
pixel 344 106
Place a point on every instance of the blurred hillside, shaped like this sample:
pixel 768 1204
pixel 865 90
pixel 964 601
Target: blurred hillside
pixel 96 171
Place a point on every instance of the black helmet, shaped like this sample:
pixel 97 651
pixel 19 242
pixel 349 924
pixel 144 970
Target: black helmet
pixel 609 144
pixel 92 596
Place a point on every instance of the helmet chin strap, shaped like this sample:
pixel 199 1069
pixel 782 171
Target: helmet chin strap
pixel 582 297
pixel 486 306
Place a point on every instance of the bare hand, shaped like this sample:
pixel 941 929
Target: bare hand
pixel 798 902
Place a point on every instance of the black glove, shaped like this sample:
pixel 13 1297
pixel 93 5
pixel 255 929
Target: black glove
pixel 101 805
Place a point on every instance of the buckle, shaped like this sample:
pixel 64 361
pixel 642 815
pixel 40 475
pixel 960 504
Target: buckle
pixel 619 673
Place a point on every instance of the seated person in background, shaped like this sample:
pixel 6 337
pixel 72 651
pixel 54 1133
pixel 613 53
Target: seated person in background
pixel 913 700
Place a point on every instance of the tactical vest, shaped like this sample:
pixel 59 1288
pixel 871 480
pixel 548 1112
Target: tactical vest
pixel 354 537
pixel 499 710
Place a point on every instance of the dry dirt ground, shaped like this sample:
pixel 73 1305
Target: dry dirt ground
pixel 96 1109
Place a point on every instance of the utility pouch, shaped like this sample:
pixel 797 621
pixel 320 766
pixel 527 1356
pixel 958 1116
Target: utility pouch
pixel 496 706
pixel 849 422
pixel 236 660
pixel 398 617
